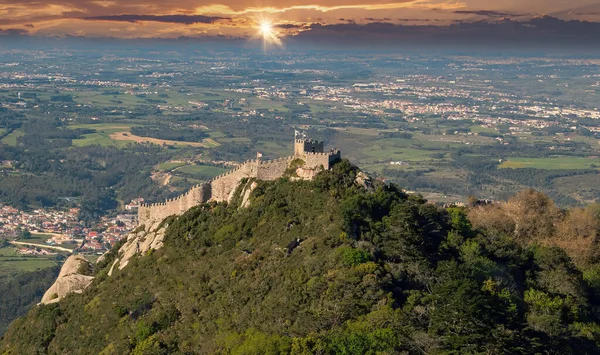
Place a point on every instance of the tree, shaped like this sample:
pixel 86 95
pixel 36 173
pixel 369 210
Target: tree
pixel 534 215
pixel 24 234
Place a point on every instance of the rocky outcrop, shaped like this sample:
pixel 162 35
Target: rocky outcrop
pixel 72 279
pixel 139 243
pixel 246 192
pixel 364 180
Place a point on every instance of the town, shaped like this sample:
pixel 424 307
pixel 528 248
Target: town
pixel 44 231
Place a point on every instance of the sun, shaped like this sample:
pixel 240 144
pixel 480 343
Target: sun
pixel 269 33
pixel 266 29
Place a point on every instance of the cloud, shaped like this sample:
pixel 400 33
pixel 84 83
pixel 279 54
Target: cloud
pixel 398 20
pixel 416 20
pixel 332 6
pixel 291 26
pixel 489 13
pixel 13 32
pixel 540 32
pixel 182 19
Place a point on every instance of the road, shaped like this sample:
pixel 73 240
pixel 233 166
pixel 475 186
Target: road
pixel 42 246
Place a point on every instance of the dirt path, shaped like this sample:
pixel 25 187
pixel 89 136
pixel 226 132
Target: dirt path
pixel 42 246
pixel 167 179
pixel 127 136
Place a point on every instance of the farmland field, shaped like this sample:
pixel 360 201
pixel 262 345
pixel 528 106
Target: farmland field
pixel 552 163
pixel 201 170
pixel 11 261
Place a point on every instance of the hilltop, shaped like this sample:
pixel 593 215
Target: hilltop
pixel 329 266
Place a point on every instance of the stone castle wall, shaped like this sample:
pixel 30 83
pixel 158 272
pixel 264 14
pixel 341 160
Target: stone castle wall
pixel 307 145
pixel 222 187
pixel 159 211
pixel 219 189
pixel 325 160
pixel 273 169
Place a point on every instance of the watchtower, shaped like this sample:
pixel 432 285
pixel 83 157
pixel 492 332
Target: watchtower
pixel 302 146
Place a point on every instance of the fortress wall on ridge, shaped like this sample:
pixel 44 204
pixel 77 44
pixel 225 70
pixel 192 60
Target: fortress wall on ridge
pixel 159 211
pixel 273 169
pixel 316 160
pixel 222 187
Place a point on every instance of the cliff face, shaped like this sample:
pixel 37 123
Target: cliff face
pixel 70 279
pixel 138 243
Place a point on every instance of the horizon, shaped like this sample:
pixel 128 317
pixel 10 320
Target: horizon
pixel 334 24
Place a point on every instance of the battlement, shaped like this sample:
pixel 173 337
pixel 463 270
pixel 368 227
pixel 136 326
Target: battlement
pixel 303 146
pixel 222 187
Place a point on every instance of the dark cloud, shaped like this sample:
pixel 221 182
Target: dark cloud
pixel 378 19
pixel 540 32
pixel 489 13
pixel 30 25
pixel 415 19
pixel 181 19
pixel 291 26
pixel 13 32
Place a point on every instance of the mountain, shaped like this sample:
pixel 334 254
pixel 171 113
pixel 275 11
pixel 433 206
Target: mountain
pixel 329 266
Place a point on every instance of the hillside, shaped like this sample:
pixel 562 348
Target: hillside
pixel 327 267
pixel 20 291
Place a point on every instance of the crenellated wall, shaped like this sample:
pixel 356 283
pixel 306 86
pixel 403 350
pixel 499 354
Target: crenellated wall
pixel 222 187
pixel 273 169
pixel 159 211
pixel 302 146
pixel 325 160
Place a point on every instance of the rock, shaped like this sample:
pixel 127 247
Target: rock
pixel 307 174
pixel 246 194
pixel 138 244
pixel 364 180
pixel 69 280
pixel 101 258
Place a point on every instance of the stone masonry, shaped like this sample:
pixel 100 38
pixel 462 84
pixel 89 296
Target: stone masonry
pixel 222 187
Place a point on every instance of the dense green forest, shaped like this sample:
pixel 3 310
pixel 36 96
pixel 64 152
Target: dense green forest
pixel 21 291
pixel 331 267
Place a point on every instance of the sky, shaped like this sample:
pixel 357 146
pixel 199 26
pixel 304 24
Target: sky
pixel 311 20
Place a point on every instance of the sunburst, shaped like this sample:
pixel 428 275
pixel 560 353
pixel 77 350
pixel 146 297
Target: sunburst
pixel 269 33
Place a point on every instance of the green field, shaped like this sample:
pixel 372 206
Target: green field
pixel 11 139
pixel 102 135
pixel 202 170
pixel 170 166
pixel 11 261
pixel 553 163
pixel 481 129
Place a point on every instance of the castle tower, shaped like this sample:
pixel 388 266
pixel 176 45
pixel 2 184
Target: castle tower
pixel 302 146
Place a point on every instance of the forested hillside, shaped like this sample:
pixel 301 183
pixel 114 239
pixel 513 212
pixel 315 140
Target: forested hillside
pixel 331 267
pixel 21 291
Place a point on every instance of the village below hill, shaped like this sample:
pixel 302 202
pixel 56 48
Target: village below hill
pixel 43 232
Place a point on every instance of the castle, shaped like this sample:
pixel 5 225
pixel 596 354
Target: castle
pixel 222 187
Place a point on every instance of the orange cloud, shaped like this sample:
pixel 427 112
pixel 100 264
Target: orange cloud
pixel 160 18
pixel 415 4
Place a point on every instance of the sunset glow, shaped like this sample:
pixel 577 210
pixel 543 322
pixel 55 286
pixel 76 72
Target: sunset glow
pixel 268 34
pixel 271 21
